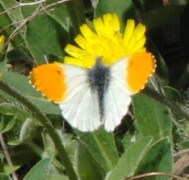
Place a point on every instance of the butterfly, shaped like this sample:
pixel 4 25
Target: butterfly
pixel 101 95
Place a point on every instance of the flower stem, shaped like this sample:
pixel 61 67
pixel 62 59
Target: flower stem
pixel 9 162
pixel 174 106
pixel 46 123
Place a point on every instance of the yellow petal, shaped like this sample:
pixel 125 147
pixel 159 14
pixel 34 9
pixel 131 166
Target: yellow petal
pixel 98 25
pixel 139 31
pixel 81 41
pixel 139 44
pixel 128 31
pixel 87 33
pixel 73 51
pixel 107 41
pixel 108 26
pixel 2 42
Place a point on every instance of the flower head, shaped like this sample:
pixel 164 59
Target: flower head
pixel 106 40
pixel 2 42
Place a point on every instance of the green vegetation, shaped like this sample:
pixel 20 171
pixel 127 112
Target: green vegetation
pixel 152 141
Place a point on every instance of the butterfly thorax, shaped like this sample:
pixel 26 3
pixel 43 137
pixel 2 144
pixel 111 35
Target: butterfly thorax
pixel 99 77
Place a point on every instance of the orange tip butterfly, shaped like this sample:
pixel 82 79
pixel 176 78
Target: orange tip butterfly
pixel 89 98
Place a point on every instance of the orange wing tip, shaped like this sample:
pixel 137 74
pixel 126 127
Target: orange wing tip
pixel 37 89
pixel 49 79
pixel 141 67
pixel 151 74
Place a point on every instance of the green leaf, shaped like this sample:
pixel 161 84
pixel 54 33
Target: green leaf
pixel 69 143
pixel 40 171
pixel 10 19
pixel 21 83
pixel 101 145
pixel 159 158
pixel 58 177
pixel 45 37
pixel 162 16
pixel 70 15
pixel 131 136
pixel 60 14
pixel 14 14
pixel 123 8
pixel 172 93
pixel 14 109
pixel 26 129
pixel 90 169
pixel 4 177
pixel 20 155
pixel 6 168
pixel 130 160
pixel 153 118
pixel 146 5
pixel 48 145
pixel 6 123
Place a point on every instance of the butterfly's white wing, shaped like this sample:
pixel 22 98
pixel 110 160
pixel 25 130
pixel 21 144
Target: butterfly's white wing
pixel 117 97
pixel 68 86
pixel 126 77
pixel 80 106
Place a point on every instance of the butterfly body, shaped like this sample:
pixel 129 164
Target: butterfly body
pixel 101 95
pixel 99 79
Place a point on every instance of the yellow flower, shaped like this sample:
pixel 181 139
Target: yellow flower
pixel 105 40
pixel 2 42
